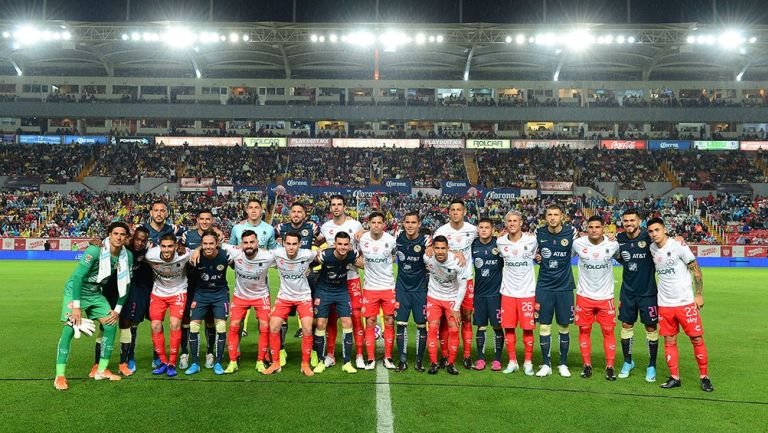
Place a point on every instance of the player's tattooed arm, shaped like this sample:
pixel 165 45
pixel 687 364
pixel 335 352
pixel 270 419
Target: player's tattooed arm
pixel 698 283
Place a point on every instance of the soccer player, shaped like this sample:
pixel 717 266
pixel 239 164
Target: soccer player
pixel 377 250
pixel 460 235
pixel 678 307
pixel 411 288
pixel 331 291
pixel 446 289
pixel 169 293
pixel 341 222
pixel 638 292
pixel 265 232
pixel 211 294
pixel 292 264
pixel 251 265
pixel 137 305
pixel 487 304
pixel 554 288
pixel 594 294
pixel 518 290
pixel 82 294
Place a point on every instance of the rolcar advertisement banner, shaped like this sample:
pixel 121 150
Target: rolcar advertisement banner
pixel 543 144
pixel 669 144
pixel 453 143
pixel 265 141
pixel 488 144
pixel 309 142
pixel 716 145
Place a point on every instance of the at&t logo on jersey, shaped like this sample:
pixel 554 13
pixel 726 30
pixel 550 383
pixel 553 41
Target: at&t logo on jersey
pixel 546 253
pixel 478 262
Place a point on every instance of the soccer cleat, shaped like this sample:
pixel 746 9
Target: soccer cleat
pixel 329 361
pixel 443 362
pixel 313 359
pixel 124 370
pixel 433 369
pixel 274 368
pixel 132 365
pixel 544 371
pixel 528 368
pixel 319 368
pixel 298 333
pixel 451 369
pixel 347 368
pixel 218 369
pixel 401 367
pixel 156 363
pixel 209 361
pixel 184 361
pixel 468 365
pixel 706 384
pixel 370 365
pixel 479 365
pixel 60 383
pixel 610 374
pixel 260 367
pixel 511 367
pixel 360 362
pixel 94 369
pixel 496 366
pixel 419 367
pixel 563 370
pixel 305 370
pixel 107 375
pixel 625 369
pixel 586 373
pixel 171 370
pixel 193 369
pixel 389 364
pixel 161 369
pixel 671 383
pixel 650 374
pixel 231 367
pixel 283 357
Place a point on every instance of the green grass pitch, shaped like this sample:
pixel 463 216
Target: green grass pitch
pixel 734 314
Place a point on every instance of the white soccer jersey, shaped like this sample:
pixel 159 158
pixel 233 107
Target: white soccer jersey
pixel 674 282
pixel 293 279
pixel 595 268
pixel 351 226
pixel 445 279
pixel 518 277
pixel 170 277
pixel 378 255
pixel 251 274
pixel 460 240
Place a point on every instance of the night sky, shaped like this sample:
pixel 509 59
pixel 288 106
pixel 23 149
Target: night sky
pixel 729 12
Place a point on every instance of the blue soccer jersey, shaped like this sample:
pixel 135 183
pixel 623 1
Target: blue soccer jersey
pixel 555 273
pixel 411 271
pixel 489 266
pixel 308 232
pixel 637 278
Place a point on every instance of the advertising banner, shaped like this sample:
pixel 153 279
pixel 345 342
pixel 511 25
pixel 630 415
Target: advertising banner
pixel 501 193
pixel 133 140
pixel 251 188
pixel 399 185
pixel 623 144
pixel 8 244
pixel 669 144
pixel 753 146
pixel 309 142
pixel 195 183
pixel 716 145
pixel 8 139
pixel 454 187
pixel 544 144
pixel 40 139
pixel 755 251
pixel 199 141
pixel 555 187
pixel 295 186
pixel 376 142
pixel 86 139
pixel 265 141
pixel 708 251
pixel 453 143
pixel 488 144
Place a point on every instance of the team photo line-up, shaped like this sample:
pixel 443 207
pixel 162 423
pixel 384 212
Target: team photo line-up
pixel 459 276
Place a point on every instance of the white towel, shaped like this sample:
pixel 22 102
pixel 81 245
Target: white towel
pixel 105 269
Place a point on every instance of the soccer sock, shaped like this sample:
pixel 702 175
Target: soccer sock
pixel 432 343
pixel 125 344
pixel 174 347
pixel 466 336
pixel 585 344
pixel 283 333
pixel 626 344
pixel 509 335
pixel 545 341
pixel 331 331
pixel 389 339
pixel 158 342
pixel 263 342
pixel 210 339
pixel 444 337
pixel 528 344
pixel 670 350
pixel 62 351
pixel 357 326
pixel 565 344
pixel 306 347
pixel 653 348
pixel 194 347
pixel 134 331
pixel 318 344
pixel 498 344
pixel 346 346
pixel 233 343
pixel 609 345
pixel 480 341
pixel 370 342
pixel 402 341
pixel 453 344
pixel 97 350
pixel 107 346
pixel 700 350
pixel 184 339
pixel 154 354
pixel 221 343
pixel 421 342
pixel 274 346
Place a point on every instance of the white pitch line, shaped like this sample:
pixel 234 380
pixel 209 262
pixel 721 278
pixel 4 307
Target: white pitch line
pixel 385 421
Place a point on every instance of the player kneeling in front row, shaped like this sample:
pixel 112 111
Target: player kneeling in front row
pixel 82 294
pixel 594 294
pixel 678 307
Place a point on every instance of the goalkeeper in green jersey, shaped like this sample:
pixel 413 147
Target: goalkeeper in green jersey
pixel 84 302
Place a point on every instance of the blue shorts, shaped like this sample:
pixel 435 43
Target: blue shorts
pixel 646 306
pixel 136 307
pixel 325 299
pixel 551 303
pixel 488 309
pixel 205 302
pixel 411 302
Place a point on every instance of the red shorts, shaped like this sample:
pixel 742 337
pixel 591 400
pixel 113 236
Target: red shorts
pixel 686 316
pixel 469 298
pixel 436 309
pixel 375 300
pixel 516 311
pixel 173 304
pixel 283 308
pixel 239 307
pixel 589 311
pixel 355 293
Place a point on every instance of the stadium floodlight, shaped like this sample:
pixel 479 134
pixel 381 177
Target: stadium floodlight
pixel 6 35
pixel 16 46
pixel 179 37
pixel 313 38
pixel 321 38
pixel 66 35
pixel 439 39
pixel 333 38
pixel 234 37
pixel 631 39
pixel 752 40
pixel 420 38
pixel 223 38
pixel 731 40
pixel 361 38
pixel 546 39
pixel 431 39
pixel 531 40
pixel 135 36
pixel 608 39
pixel 520 39
pixel 710 40
pixel 690 39
pixel 701 39
pixel 246 38
pixel 26 35
pixel 508 39
pixel 392 39
pixel 620 39
pixel 578 40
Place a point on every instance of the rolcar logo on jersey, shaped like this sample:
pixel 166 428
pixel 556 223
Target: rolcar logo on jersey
pixel 376 260
pixel 248 276
pixel 516 264
pixel 596 267
pixel 293 277
pixel 665 271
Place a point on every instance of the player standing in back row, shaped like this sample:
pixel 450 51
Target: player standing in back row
pixel 488 270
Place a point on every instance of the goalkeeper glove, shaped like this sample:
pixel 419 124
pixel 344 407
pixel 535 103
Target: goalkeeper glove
pixel 86 326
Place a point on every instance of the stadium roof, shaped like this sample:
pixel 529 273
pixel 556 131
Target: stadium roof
pixel 476 51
